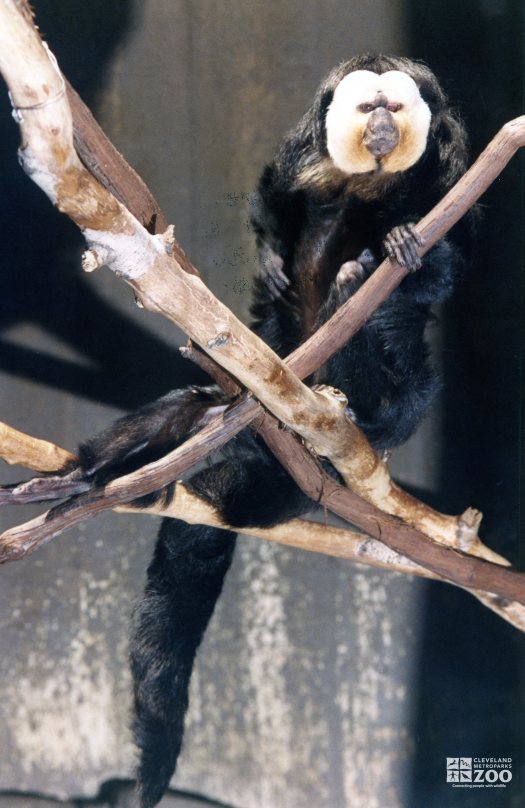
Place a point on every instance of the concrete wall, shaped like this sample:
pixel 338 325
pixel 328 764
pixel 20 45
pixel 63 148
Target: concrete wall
pixel 309 688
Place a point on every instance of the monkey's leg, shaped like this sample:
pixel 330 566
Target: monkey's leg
pixel 132 441
pixel 43 489
pixel 148 433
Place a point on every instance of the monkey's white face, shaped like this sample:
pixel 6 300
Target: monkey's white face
pixel 376 122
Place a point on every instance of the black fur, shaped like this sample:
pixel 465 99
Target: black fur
pixel 308 225
pixel 184 581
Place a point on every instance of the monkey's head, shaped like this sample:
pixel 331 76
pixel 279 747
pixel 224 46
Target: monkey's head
pixel 376 122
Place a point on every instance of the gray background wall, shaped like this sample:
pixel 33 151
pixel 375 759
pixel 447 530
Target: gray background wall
pixel 318 683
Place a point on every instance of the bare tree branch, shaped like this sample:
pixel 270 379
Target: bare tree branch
pixel 357 463
pixel 460 532
pixel 466 571
pixel 329 540
pixel 32 453
pixel 298 533
pixel 350 317
pixel 117 239
pixel 108 166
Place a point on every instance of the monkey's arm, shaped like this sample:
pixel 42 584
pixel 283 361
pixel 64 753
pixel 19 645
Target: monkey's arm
pixel 148 433
pixel 139 438
pixel 278 216
pixel 278 208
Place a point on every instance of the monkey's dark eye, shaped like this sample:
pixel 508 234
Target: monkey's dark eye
pixel 394 107
pixel 365 108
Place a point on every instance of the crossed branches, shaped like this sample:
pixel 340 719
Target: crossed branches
pixel 64 150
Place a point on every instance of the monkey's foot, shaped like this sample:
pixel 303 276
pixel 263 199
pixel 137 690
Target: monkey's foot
pixel 355 272
pixel 349 273
pixel 401 245
pixel 42 489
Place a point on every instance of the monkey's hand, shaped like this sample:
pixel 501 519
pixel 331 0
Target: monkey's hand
pixel 275 279
pixel 401 245
pixel 350 273
pixel 353 273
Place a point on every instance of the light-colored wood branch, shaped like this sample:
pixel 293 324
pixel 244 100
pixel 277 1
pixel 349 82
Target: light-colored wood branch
pixel 458 532
pixel 20 541
pixel 454 566
pixel 298 533
pixel 115 238
pixel 325 539
pixel 32 453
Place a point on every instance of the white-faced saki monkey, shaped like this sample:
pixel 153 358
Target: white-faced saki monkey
pixel 375 151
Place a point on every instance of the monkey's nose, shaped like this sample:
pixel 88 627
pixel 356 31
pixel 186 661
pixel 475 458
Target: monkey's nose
pixel 381 135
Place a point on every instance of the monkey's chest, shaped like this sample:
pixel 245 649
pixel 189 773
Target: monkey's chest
pixel 321 253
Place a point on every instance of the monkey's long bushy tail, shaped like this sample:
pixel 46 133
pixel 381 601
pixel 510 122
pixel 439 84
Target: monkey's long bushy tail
pixel 184 582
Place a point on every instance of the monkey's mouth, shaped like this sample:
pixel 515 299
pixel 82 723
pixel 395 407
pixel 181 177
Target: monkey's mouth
pixel 380 146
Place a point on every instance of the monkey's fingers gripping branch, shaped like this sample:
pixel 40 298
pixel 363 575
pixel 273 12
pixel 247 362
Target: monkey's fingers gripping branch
pixel 402 244
pixel 349 318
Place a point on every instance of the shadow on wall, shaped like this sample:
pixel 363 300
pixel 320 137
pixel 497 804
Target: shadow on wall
pixel 113 794
pixel 41 285
pixel 470 694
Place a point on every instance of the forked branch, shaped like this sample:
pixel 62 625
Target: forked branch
pixel 302 534
pixel 162 279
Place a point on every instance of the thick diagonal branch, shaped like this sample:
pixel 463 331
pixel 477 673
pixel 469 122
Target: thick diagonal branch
pixel 329 432
pixel 117 239
pixel 329 540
